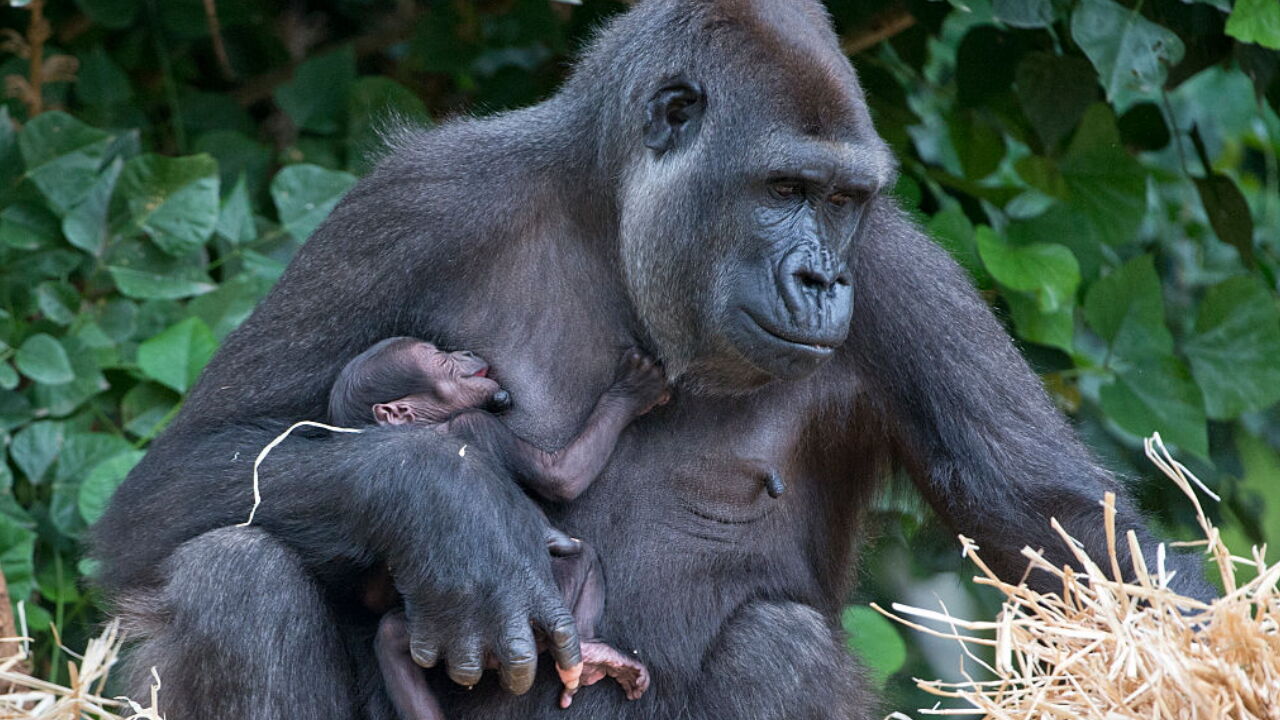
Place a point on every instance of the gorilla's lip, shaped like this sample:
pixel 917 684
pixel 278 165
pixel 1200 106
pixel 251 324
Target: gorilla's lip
pixel 819 348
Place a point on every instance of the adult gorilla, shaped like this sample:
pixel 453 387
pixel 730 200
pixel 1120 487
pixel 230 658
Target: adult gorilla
pixel 708 185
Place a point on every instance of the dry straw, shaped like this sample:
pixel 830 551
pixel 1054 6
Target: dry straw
pixel 30 698
pixel 1106 649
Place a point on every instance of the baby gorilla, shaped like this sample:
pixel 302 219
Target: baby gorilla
pixel 406 381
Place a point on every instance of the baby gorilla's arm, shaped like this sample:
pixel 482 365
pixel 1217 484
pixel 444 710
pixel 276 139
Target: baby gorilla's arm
pixel 562 475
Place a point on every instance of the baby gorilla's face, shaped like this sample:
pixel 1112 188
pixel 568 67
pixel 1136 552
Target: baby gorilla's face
pixel 457 381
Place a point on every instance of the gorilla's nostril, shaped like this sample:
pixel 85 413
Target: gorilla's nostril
pixel 844 279
pixel 812 279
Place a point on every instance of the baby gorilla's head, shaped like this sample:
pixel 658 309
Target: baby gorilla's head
pixel 405 380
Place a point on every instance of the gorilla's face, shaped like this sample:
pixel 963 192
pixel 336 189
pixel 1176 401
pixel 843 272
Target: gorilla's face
pixel 739 240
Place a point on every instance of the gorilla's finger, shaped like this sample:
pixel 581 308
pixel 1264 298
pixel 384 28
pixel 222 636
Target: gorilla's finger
pixel 560 544
pixel 562 640
pixel 517 655
pixel 465 660
pixel 424 640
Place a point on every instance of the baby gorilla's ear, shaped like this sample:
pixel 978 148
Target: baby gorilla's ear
pixel 393 413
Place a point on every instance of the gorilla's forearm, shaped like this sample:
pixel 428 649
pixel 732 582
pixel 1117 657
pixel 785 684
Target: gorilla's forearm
pixel 982 438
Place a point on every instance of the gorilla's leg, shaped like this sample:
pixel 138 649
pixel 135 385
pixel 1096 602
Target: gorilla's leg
pixel 783 660
pixel 239 630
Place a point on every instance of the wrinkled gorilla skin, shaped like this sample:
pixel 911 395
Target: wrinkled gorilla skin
pixel 707 185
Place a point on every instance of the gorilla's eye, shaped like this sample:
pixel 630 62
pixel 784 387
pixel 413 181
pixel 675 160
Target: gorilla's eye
pixel 788 189
pixel 840 199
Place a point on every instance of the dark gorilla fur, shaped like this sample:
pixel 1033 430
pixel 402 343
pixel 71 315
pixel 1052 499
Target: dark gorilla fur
pixel 646 203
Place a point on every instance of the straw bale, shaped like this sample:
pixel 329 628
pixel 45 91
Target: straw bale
pixel 1106 649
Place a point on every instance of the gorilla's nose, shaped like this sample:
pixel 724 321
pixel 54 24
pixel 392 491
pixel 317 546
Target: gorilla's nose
pixel 816 288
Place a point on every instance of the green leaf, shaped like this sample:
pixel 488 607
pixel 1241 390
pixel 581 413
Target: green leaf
pixel 1054 92
pixel 1256 21
pixel 102 481
pixel 81 453
pixel 58 301
pixel 1157 394
pixel 145 273
pixel 1129 298
pixel 26 226
pixel 1132 54
pixel 1235 348
pixel 235 220
pixel 17 558
pixel 15 410
pixel 35 447
pixel 1024 13
pixel 43 359
pixel 874 639
pixel 110 13
pixel 176 356
pixel 306 194
pixel 238 156
pixel 1048 272
pixel 173 200
pixel 145 407
pixel 1055 328
pixel 1228 212
pixel 10 159
pixel 63 399
pixel 99 81
pixel 8 376
pixel 62 156
pixel 86 226
pixel 316 98
pixel 225 308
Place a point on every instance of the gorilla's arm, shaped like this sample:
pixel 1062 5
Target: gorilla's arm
pixel 979 434
pixel 461 540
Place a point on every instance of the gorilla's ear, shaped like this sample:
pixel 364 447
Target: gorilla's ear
pixel 672 115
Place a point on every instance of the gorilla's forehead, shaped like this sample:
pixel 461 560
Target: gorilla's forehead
pixel 784 60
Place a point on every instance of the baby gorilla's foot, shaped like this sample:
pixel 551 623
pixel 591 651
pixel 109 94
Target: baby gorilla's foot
pixel 641 381
pixel 600 661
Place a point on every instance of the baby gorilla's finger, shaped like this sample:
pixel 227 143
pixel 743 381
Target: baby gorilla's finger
pixel 517 655
pixel 560 544
pixel 465 658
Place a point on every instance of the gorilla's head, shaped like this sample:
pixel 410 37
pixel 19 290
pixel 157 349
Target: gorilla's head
pixel 748 164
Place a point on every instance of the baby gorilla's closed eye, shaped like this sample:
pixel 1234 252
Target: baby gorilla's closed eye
pixel 405 381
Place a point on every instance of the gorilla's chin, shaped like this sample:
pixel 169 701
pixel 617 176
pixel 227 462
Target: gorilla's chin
pixel 778 351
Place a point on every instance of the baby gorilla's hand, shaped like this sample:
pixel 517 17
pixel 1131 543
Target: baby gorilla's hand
pixel 641 381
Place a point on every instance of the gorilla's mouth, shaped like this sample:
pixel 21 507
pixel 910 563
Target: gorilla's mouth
pixel 817 348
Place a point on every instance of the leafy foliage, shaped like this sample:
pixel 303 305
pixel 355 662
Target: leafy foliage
pixel 1106 170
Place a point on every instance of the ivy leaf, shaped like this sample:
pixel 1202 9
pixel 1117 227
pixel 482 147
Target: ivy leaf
pixel 176 356
pixel 58 301
pixel 101 483
pixel 8 376
pixel 1023 13
pixel 43 359
pixel 1055 328
pixel 1235 348
pixel 316 98
pixel 17 557
pixel 874 639
pixel 1054 92
pixel 142 272
pixel 305 195
pixel 1132 54
pixel 1046 271
pixel 64 398
pixel 86 226
pixel 1228 212
pixel 62 156
pixel 28 226
pixel 235 220
pixel 145 407
pixel 1157 394
pixel 81 453
pixel 35 447
pixel 1126 309
pixel 225 308
pixel 1256 21
pixel 173 200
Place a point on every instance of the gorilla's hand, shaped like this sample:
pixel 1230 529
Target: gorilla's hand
pixel 640 381
pixel 471 560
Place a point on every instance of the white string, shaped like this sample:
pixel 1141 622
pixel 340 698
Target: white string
pixel 257 493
